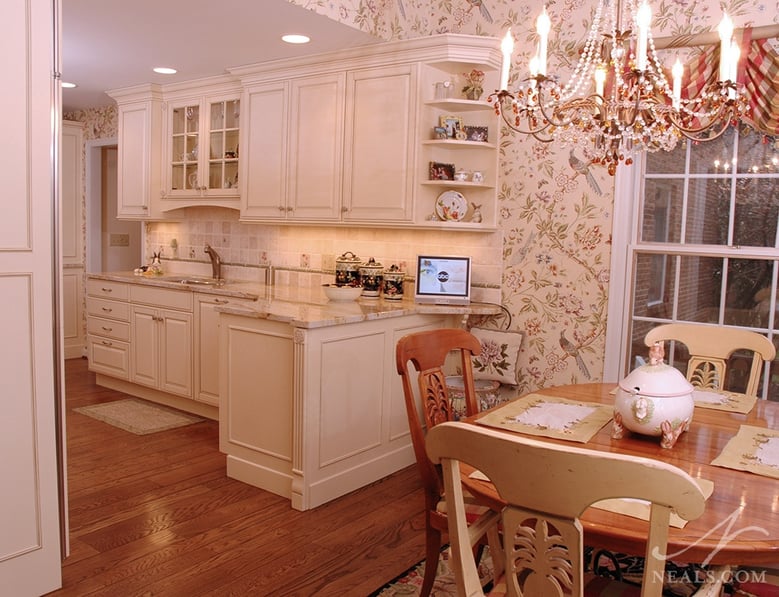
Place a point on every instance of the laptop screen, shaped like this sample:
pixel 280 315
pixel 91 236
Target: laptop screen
pixel 443 280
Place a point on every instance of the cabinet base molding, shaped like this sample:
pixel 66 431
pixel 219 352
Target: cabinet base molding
pixel 179 402
pixel 253 473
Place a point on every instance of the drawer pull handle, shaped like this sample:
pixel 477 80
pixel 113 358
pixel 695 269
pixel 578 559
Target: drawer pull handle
pixel 107 309
pixel 221 301
pixel 105 329
pixel 107 343
pixel 107 289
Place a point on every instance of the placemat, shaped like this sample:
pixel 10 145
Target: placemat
pixel 720 400
pixel 752 449
pixel 550 416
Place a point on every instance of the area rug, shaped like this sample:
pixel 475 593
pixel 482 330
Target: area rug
pixel 409 583
pixel 137 416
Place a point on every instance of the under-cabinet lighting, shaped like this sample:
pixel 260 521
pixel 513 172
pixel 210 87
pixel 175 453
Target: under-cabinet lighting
pixel 164 70
pixel 66 85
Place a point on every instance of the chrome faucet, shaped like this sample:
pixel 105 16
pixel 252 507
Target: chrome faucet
pixel 216 262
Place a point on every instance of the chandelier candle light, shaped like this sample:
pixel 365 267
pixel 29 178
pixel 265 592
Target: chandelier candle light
pixel 618 100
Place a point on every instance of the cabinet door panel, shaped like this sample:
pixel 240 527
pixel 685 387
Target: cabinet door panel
pixel 144 345
pixel 379 163
pixel 316 144
pixel 176 352
pixel 263 155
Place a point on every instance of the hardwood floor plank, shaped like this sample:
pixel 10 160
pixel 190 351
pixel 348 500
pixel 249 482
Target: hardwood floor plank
pixel 156 515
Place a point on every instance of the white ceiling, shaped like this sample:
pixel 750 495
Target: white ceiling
pixel 109 44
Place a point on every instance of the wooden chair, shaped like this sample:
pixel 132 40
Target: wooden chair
pixel 427 351
pixel 546 487
pixel 710 348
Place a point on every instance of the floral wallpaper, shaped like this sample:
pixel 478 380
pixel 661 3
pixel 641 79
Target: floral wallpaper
pixel 555 209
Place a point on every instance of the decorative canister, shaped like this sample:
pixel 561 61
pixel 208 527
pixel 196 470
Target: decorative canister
pixel 654 399
pixel 393 283
pixel 347 270
pixel 371 277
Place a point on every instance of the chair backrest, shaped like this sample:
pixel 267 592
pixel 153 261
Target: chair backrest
pixel 546 487
pixel 710 348
pixel 427 351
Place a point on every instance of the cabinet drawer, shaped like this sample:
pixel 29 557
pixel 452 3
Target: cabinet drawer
pixel 110 309
pixel 108 356
pixel 107 328
pixel 113 290
pixel 159 297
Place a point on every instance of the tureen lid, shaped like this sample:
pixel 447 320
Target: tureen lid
pixel 656 378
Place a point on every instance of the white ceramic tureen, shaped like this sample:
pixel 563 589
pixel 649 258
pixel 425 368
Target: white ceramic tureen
pixel 654 399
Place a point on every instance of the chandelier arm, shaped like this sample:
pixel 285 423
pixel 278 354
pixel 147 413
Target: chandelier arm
pixel 690 132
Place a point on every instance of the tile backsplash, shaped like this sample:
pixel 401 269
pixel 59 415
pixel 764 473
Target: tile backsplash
pixel 306 254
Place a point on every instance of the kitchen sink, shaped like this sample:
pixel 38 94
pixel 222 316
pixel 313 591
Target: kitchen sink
pixel 194 280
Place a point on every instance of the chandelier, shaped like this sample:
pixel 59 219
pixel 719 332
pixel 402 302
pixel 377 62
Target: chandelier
pixel 618 101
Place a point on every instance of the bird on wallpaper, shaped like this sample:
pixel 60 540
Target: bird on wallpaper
pixel 582 167
pixel 573 351
pixel 482 9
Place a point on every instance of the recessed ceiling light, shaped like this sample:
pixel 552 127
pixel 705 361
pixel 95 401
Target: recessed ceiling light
pixel 295 39
pixel 66 85
pixel 164 70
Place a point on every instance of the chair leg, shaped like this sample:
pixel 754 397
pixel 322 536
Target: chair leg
pixel 432 553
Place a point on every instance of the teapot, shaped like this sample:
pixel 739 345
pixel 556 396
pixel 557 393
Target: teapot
pixel 654 399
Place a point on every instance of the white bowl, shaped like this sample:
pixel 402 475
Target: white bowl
pixel 342 293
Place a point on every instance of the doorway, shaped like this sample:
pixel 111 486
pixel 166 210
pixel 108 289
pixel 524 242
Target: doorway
pixel 111 244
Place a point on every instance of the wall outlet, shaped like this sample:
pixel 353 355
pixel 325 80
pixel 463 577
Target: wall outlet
pixel 305 260
pixel 264 258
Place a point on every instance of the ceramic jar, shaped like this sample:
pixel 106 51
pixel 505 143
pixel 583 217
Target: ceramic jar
pixel 654 399
pixel 393 283
pixel 371 277
pixel 347 270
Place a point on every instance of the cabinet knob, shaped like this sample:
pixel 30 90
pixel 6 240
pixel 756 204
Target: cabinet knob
pixel 144 207
pixel 344 209
pixel 107 343
pixel 281 208
pixel 105 329
pixel 107 289
pixel 290 209
pixel 107 309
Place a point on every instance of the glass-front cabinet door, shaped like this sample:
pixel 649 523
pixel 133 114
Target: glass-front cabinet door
pixel 203 137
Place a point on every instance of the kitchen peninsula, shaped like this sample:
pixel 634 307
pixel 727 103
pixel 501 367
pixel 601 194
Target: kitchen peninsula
pixel 309 404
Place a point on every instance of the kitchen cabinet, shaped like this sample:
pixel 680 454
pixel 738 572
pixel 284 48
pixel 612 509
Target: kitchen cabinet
pixel 314 413
pixel 108 328
pixel 139 152
pixel 161 339
pixel 71 216
pixel 202 149
pixel 207 345
pixel 379 150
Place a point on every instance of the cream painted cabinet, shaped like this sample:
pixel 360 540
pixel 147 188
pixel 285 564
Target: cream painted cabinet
pixel 139 175
pixel 71 216
pixel 206 346
pixel 161 339
pixel 108 328
pixel 335 147
pixel 202 149
pixel 379 150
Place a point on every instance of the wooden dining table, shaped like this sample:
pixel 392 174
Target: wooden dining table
pixel 740 525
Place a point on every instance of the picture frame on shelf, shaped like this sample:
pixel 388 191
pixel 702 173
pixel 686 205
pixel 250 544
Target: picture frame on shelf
pixel 477 133
pixel 452 124
pixel 439 132
pixel 441 171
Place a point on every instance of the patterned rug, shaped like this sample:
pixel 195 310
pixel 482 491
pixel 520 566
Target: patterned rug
pixel 137 416
pixel 409 583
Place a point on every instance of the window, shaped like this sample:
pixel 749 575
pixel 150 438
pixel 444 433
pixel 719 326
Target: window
pixel 702 246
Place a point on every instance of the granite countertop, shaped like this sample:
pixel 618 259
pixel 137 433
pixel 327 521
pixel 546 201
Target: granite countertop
pixel 304 307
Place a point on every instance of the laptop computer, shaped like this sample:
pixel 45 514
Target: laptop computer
pixel 443 280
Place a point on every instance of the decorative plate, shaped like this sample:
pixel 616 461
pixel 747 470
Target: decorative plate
pixel 451 206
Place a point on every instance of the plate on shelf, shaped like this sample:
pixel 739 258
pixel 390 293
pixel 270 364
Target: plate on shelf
pixel 451 206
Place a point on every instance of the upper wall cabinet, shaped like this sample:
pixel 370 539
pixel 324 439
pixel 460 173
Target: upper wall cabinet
pixel 202 148
pixel 139 175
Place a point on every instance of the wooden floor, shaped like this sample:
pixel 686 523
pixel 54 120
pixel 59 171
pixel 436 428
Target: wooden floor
pixel 156 515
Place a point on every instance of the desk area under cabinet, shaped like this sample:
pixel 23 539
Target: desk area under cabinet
pixel 308 401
